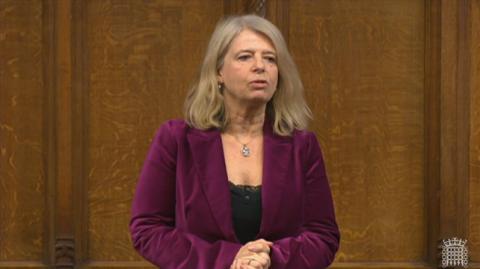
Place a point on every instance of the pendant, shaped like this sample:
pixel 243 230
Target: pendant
pixel 245 151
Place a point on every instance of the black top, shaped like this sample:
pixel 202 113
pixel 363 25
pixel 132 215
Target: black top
pixel 246 211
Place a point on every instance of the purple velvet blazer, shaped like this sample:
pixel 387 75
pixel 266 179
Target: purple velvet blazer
pixel 181 213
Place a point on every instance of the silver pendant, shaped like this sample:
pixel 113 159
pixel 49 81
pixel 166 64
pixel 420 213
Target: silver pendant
pixel 245 151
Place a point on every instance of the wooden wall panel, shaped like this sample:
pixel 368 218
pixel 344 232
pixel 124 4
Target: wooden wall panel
pixel 474 195
pixel 140 59
pixel 22 129
pixel 362 63
pixel 84 84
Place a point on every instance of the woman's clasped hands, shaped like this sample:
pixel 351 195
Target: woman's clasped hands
pixel 253 255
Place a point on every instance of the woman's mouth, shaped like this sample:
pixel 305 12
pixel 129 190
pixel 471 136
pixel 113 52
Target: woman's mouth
pixel 259 83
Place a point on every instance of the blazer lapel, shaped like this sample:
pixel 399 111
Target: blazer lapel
pixel 209 161
pixel 207 152
pixel 276 165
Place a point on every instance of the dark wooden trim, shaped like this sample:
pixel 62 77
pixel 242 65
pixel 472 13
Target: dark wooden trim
pixel 120 264
pixel 258 7
pixel 278 13
pixel 63 74
pixel 432 128
pixel 80 90
pixel 49 137
pixel 447 108
pixel 64 222
pixel 454 119
pixel 463 118
pixel 231 7
pixel 389 265
pixel 22 264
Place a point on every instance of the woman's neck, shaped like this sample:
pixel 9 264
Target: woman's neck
pixel 245 123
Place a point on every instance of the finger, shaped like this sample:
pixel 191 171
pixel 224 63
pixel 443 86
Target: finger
pixel 261 240
pixel 258 262
pixel 238 264
pixel 243 264
pixel 234 264
pixel 255 264
pixel 250 264
pixel 265 259
pixel 259 247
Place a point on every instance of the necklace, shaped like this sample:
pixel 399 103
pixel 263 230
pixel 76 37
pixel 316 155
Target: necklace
pixel 246 151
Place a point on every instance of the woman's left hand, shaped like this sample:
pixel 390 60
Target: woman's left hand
pixel 253 261
pixel 253 255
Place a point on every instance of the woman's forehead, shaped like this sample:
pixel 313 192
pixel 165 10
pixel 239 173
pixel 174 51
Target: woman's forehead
pixel 251 40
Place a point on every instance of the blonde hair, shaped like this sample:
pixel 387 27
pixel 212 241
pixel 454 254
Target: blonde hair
pixel 204 106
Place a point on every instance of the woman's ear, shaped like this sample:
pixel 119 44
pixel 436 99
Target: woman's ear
pixel 220 77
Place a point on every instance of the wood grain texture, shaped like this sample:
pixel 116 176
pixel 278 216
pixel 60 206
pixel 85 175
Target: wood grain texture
pixel 432 127
pixel 454 120
pixel 22 152
pixel 141 59
pixel 362 63
pixel 474 203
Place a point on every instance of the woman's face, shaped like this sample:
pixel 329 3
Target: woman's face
pixel 249 72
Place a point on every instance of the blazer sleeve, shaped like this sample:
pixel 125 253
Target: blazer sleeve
pixel 152 225
pixel 318 241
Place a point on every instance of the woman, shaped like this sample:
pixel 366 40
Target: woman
pixel 239 183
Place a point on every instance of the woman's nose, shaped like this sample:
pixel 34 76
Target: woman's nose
pixel 259 65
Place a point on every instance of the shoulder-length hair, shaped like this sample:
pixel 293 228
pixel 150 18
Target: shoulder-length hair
pixel 204 105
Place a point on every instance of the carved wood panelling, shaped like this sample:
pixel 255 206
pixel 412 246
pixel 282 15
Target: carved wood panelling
pixel 362 63
pixel 23 150
pixel 84 84
pixel 65 253
pixel 258 7
pixel 141 59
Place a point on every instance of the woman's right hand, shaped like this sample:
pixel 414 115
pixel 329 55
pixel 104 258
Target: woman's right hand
pixel 253 255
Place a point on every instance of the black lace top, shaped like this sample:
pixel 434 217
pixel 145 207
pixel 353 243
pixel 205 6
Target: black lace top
pixel 246 211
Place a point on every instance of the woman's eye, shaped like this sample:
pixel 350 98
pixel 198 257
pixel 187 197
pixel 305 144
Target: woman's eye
pixel 243 57
pixel 271 59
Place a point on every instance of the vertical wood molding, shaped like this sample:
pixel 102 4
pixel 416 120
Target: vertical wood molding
pixel 49 140
pixel 447 95
pixel 58 117
pixel 80 90
pixel 63 119
pixel 432 127
pixel 474 140
pixel 277 12
pixel 463 111
pixel 455 26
